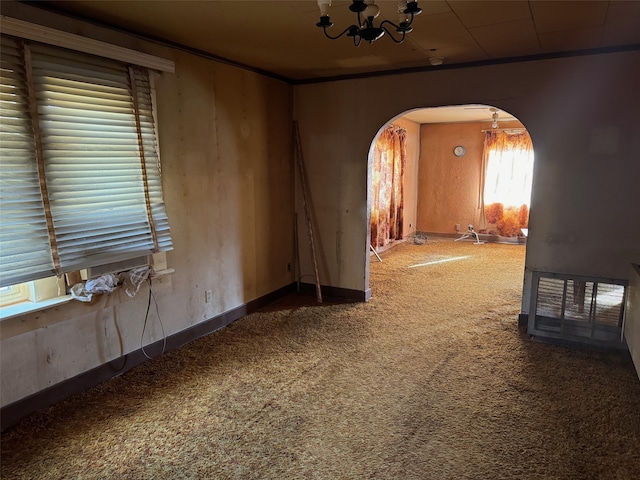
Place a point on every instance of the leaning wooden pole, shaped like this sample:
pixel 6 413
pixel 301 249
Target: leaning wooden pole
pixel 296 242
pixel 305 204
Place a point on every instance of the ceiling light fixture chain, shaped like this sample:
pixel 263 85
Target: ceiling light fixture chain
pixel 367 11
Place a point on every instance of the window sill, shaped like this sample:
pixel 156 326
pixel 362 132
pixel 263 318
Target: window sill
pixel 21 308
pixel 26 307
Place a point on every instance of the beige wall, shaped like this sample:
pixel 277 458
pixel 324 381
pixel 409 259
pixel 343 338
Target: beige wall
pixel 449 186
pixel 581 113
pixel 228 185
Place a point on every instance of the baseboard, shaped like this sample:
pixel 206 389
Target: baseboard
pixel 484 237
pixel 441 235
pixel 523 320
pixel 14 412
pixel 337 292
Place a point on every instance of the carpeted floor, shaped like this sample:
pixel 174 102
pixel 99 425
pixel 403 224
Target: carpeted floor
pixel 431 379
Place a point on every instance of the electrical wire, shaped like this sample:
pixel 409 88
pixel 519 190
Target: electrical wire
pixel 146 318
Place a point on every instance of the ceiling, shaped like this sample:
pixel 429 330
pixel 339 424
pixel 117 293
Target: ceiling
pixel 459 114
pixel 280 37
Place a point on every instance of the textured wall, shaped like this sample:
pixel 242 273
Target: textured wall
pixel 449 186
pixel 448 191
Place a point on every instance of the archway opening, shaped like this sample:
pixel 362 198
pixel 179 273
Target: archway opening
pixel 466 175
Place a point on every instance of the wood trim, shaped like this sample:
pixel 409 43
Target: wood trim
pixel 50 36
pixel 337 292
pixel 478 63
pixel 523 321
pixel 11 414
pixel 170 65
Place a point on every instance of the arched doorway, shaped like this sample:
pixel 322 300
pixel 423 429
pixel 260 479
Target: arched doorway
pixel 463 167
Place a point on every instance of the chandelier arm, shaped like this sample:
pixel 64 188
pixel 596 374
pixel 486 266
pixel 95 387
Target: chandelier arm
pixel 391 34
pixel 397 27
pixel 390 23
pixel 410 20
pixel 337 36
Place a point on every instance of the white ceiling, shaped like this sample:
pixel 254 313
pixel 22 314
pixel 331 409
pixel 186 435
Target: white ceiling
pixel 458 114
pixel 280 36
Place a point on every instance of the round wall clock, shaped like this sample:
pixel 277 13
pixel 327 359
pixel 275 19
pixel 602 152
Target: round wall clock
pixel 459 151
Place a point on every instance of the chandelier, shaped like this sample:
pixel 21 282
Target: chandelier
pixel 494 118
pixel 367 11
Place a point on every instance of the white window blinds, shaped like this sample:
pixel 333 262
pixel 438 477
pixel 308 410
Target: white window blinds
pixel 79 168
pixel 25 251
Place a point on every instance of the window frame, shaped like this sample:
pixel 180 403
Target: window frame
pixel 32 296
pixel 18 293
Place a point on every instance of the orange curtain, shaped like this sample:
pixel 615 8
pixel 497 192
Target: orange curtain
pixel 387 197
pixel 505 182
pixel 482 222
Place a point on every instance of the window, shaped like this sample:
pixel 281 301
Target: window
pixel 508 173
pixel 509 169
pixel 80 178
pixel 38 294
pixel 12 294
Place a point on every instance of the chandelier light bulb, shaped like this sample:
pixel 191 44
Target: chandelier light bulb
pixel 372 11
pixel 324 5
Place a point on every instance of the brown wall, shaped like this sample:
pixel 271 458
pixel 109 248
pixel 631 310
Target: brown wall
pixel 449 186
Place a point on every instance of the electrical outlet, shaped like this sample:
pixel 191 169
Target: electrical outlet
pixel 288 267
pixel 458 227
pixel 207 296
